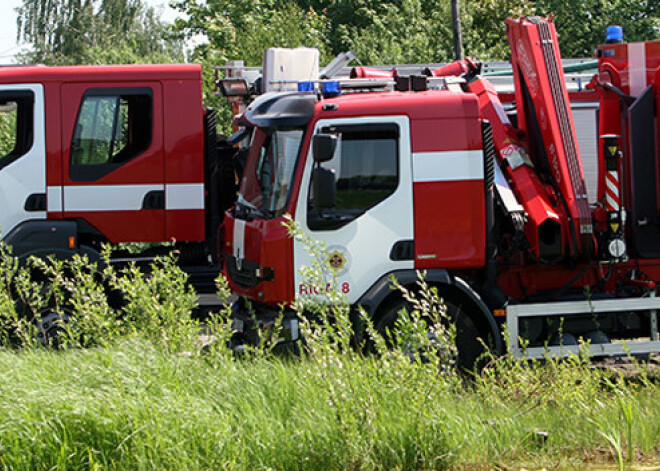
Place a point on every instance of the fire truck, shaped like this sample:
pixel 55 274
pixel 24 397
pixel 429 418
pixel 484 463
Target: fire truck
pixel 110 154
pixel 400 174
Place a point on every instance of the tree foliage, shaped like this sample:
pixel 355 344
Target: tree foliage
pixel 7 132
pixel 403 31
pixel 484 33
pixel 95 32
pixel 242 29
pixel 581 23
pixel 378 31
pixel 395 31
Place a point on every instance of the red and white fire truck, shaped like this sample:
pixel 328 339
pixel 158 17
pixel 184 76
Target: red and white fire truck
pixel 111 154
pixel 435 175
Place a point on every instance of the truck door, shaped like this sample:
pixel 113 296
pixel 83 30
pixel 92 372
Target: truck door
pixel 22 155
pixel 113 163
pixel 369 232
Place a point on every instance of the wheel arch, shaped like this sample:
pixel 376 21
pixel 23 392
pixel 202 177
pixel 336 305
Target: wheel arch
pixel 43 238
pixel 454 289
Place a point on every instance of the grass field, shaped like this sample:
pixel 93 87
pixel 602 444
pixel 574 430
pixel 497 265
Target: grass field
pixel 136 406
pixel 134 389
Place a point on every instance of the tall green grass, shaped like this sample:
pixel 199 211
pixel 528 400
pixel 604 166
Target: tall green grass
pixel 134 405
pixel 134 387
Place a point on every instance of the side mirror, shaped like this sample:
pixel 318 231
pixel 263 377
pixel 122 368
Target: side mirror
pixel 323 186
pixel 324 147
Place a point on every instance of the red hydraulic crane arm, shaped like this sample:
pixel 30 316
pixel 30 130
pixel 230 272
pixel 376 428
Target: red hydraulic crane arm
pixel 543 226
pixel 544 115
pixel 545 221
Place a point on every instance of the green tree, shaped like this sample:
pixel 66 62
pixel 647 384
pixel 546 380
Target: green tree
pixel 94 32
pixel 347 20
pixel 581 23
pixel 242 29
pixel 484 31
pixel 400 31
pixel 7 132
pixel 397 33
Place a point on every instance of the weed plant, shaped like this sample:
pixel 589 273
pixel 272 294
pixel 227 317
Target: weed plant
pixel 94 305
pixel 133 386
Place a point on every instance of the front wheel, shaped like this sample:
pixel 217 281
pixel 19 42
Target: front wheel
pixel 50 323
pixel 51 330
pixel 468 342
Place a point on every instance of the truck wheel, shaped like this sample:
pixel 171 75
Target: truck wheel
pixel 469 346
pixel 50 329
pixel 50 322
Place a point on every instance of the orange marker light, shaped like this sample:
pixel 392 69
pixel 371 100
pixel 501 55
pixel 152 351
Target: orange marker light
pixel 72 242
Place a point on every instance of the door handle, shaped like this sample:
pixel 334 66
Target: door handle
pixel 35 202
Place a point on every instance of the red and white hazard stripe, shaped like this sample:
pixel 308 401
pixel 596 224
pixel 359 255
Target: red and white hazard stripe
pixel 612 201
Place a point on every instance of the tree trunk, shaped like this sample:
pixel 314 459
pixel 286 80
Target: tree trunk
pixel 456 21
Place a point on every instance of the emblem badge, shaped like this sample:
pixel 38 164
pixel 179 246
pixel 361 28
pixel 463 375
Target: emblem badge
pixel 339 259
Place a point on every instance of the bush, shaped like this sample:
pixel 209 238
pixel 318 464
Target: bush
pixel 73 303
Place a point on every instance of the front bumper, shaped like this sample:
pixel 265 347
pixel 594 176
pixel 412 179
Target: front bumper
pixel 252 327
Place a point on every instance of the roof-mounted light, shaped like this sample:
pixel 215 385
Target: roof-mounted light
pixel 305 86
pixel 614 35
pixel 330 89
pixel 327 88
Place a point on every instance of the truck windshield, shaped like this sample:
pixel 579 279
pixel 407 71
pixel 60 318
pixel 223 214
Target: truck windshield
pixel 271 164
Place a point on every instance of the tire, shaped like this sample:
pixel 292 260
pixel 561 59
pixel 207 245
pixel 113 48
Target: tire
pixel 55 324
pixel 51 330
pixel 468 340
pixel 50 321
pixel 468 343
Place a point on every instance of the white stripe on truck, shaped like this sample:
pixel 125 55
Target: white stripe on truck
pixel 81 198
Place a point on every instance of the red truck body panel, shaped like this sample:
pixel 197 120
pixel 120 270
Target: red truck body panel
pixel 448 190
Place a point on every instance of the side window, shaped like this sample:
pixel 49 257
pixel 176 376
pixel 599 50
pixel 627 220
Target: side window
pixel 366 171
pixel 113 127
pixel 16 125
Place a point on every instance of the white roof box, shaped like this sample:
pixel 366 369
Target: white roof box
pixel 284 68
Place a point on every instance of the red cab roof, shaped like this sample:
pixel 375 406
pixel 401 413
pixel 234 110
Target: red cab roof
pixel 104 73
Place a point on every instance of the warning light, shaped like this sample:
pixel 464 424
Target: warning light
pixel 331 89
pixel 614 35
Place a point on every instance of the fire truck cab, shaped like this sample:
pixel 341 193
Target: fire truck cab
pixel 102 154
